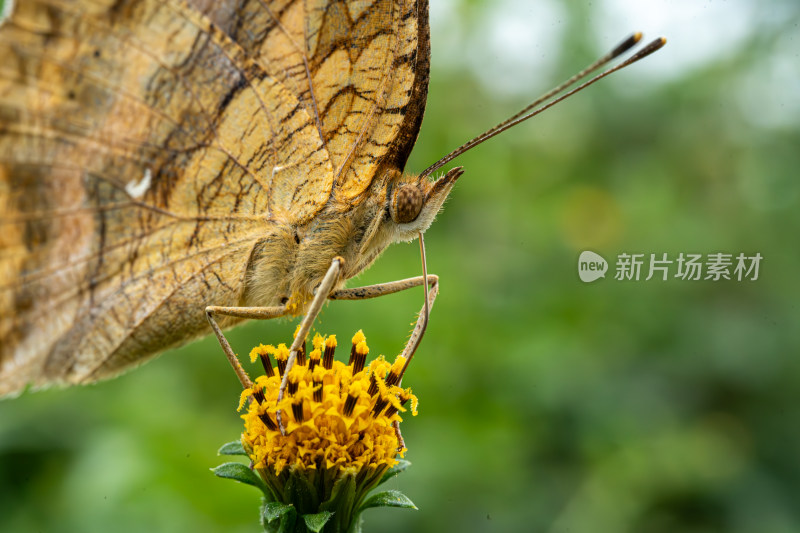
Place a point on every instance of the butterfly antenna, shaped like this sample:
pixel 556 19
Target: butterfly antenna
pixel 533 109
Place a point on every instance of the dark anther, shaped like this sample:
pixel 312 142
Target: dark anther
pixel 267 364
pixel 373 385
pixel 392 378
pixel 297 411
pixel 349 405
pixel 259 396
pixel 317 391
pixel 272 426
pixel 327 358
pixel 352 355
pixel 379 406
pixel 392 410
pixel 313 359
pixel 358 362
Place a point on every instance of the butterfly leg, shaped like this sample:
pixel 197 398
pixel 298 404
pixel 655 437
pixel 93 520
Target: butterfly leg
pixel 431 284
pixel 265 313
pixel 320 295
pixel 382 289
pixel 260 313
pixel 391 287
pixel 429 281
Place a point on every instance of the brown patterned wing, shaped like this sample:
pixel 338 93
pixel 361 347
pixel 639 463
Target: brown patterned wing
pixel 142 156
pixel 359 67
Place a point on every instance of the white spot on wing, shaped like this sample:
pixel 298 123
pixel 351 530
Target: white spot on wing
pixel 136 189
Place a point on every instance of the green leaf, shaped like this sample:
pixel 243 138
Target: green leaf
pixel 401 465
pixel 232 448
pixel 242 474
pixel 273 510
pixel 315 522
pixel 389 498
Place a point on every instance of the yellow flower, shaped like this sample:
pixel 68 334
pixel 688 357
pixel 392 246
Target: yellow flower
pixel 337 437
pixel 335 415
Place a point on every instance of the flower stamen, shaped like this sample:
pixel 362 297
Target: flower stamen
pixel 258 395
pixel 330 348
pixel 317 381
pixel 392 409
pixel 380 404
pixel 293 383
pixel 267 420
pixel 297 410
pixel 262 352
pixel 357 338
pixel 359 357
pixel 281 356
pixel 314 359
pixel 393 378
pixel 352 398
pixel 301 354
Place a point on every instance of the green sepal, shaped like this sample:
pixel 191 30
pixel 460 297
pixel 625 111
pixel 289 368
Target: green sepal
pixel 271 511
pixel 401 465
pixel 266 507
pixel 289 522
pixel 315 522
pixel 301 493
pixel 342 500
pixel 242 474
pixel 389 498
pixel 232 448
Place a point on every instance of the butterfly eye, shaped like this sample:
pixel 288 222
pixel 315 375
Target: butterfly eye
pixel 406 204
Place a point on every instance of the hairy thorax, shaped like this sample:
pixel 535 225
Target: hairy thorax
pixel 289 263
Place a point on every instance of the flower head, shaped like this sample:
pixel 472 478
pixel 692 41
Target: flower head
pixel 338 431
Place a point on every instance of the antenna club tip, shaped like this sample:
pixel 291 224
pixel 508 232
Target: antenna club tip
pixel 657 43
pixel 651 47
pixel 625 45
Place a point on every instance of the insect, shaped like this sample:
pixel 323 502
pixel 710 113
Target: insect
pixel 165 163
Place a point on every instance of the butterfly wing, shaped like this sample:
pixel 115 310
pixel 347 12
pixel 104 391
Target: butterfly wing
pixel 142 154
pixel 144 150
pixel 359 67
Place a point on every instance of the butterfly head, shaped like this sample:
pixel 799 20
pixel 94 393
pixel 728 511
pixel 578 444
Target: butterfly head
pixel 413 202
pixel 400 207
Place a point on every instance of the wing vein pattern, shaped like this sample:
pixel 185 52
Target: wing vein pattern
pixel 148 146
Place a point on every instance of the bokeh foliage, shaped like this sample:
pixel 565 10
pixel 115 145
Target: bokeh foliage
pixel 546 404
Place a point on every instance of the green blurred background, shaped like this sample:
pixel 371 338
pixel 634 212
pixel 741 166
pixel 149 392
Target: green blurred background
pixel 547 404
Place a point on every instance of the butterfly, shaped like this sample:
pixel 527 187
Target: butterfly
pixel 162 158
pixel 158 156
